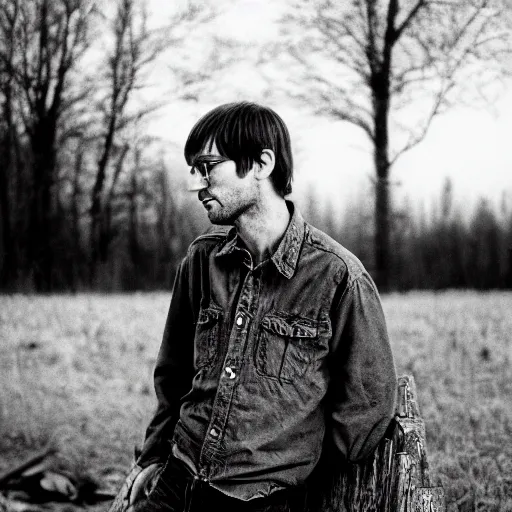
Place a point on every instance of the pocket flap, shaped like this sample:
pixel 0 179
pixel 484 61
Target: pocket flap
pixel 292 328
pixel 209 316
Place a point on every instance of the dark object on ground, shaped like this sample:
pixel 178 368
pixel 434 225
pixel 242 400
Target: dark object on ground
pixel 395 478
pixel 36 480
pixel 25 465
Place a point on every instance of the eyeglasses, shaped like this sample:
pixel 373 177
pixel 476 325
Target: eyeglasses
pixel 205 164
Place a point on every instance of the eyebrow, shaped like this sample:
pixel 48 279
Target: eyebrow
pixel 208 156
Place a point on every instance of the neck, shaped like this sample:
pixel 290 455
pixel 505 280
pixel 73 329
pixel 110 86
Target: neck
pixel 262 228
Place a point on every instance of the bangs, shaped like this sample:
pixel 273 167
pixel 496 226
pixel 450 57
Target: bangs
pixel 235 129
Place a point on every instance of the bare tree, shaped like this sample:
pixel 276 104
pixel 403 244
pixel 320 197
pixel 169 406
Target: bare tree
pixel 9 136
pixel 67 137
pixel 390 68
pixel 44 41
pixel 132 51
pixel 132 194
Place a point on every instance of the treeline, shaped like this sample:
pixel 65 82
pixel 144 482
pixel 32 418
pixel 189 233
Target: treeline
pixel 454 252
pixel 444 248
pixel 152 219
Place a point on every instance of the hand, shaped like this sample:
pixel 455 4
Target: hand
pixel 143 483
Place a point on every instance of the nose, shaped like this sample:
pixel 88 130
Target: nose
pixel 197 182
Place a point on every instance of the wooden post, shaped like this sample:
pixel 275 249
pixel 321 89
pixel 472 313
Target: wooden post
pixel 415 491
pixel 394 479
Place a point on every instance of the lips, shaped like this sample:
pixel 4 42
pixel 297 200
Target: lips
pixel 205 197
pixel 202 195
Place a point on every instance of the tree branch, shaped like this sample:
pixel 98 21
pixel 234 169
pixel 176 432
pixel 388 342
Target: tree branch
pixel 409 18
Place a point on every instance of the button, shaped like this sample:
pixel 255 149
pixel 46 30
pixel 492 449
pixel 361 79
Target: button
pixel 239 320
pixel 214 432
pixel 229 372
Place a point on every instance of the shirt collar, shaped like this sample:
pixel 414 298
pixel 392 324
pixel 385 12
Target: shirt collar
pixel 231 244
pixel 287 253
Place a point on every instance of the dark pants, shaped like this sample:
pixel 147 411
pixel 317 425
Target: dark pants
pixel 176 490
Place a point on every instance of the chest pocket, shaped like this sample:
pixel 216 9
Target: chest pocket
pixel 207 337
pixel 287 345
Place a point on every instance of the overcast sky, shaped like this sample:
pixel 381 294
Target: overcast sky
pixel 470 146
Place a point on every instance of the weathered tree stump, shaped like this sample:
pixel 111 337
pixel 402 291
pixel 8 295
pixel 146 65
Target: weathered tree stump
pixel 394 479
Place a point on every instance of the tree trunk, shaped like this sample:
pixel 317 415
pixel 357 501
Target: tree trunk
pixel 40 231
pixel 382 233
pixel 96 221
pixel 8 260
pixel 134 225
pixel 41 258
pixel 75 218
pixel 7 269
pixel 97 208
pixel 382 200
pixel 164 224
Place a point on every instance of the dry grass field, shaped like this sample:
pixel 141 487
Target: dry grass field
pixel 76 373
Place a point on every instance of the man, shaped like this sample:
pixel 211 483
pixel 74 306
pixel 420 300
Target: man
pixel 275 337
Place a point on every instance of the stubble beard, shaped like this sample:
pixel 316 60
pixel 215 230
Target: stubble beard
pixel 225 216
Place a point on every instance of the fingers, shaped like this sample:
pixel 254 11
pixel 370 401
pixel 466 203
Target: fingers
pixel 142 485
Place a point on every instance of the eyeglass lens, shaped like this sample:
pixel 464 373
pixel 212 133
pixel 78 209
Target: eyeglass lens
pixel 204 168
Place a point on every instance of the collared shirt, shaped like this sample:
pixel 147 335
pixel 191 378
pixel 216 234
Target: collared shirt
pixel 258 363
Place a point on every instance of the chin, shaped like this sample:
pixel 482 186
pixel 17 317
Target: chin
pixel 225 216
pixel 221 221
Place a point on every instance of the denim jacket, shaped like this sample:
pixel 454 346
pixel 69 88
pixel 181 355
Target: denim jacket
pixel 257 363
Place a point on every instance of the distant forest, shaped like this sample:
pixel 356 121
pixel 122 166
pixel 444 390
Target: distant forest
pixel 442 248
pixel 151 221
pixel 88 201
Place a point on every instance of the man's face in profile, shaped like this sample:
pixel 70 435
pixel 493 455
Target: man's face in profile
pixel 223 193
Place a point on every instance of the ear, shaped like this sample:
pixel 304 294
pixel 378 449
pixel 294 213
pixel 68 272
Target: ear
pixel 264 170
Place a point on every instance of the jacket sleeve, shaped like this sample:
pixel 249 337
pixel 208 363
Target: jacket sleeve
pixel 363 377
pixel 173 371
